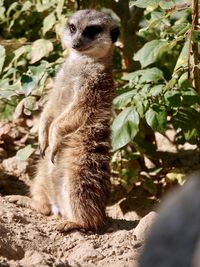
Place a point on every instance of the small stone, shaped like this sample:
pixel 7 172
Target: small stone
pixel 142 229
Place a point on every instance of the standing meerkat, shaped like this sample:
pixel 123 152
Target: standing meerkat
pixel 73 178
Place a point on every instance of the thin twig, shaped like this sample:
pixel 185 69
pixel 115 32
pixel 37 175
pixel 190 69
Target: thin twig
pixel 195 46
pixel 189 49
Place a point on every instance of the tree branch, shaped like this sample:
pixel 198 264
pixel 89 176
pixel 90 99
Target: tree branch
pixel 195 47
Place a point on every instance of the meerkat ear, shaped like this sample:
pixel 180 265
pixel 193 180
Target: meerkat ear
pixel 114 33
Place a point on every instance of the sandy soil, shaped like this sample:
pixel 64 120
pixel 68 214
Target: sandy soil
pixel 30 239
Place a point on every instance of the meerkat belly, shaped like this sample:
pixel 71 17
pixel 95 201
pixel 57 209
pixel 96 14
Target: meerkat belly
pixel 60 203
pixel 64 200
pixel 59 186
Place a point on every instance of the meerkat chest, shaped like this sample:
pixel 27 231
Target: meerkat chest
pixel 64 86
pixel 76 73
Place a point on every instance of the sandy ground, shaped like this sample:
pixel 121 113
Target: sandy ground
pixel 30 239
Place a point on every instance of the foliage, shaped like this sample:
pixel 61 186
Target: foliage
pixel 160 94
pixel 32 55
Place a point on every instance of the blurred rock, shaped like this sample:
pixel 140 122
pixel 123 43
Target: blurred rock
pixel 144 226
pixel 15 166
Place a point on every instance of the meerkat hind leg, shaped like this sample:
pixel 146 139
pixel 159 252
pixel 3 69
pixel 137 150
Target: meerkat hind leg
pixel 24 201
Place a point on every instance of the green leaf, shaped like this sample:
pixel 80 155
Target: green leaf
pixel 42 7
pixel 12 6
pixel 166 4
pixel 48 23
pixel 189 94
pixel 183 57
pixel 40 48
pixel 151 75
pixel 190 97
pixel 59 8
pixel 176 174
pixel 147 75
pixel 2 13
pixel 156 118
pixel 26 6
pixel 145 3
pixel 21 51
pixel 123 99
pixel 170 84
pixel 139 104
pixel 28 84
pixel 2 57
pixel 149 185
pixel 6 111
pixel 124 128
pixel 195 36
pixel 182 79
pixel 150 53
pixel 180 28
pixel 156 90
pixel 191 135
pixel 187 120
pixel 157 17
pixel 7 94
pixel 7 90
pixel 173 98
pixel 30 80
pixel 38 71
pixel 24 153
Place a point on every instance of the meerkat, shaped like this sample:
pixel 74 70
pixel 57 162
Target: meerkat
pixel 73 178
pixel 174 240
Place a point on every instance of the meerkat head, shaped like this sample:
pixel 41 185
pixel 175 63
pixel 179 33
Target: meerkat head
pixel 90 32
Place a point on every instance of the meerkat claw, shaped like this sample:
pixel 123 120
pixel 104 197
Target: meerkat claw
pixel 42 153
pixel 53 155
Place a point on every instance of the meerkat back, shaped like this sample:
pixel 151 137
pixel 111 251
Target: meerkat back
pixel 73 178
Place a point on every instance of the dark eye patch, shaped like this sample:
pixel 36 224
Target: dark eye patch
pixel 72 28
pixel 91 31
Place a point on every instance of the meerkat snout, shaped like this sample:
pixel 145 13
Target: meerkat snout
pixel 90 32
pixel 76 44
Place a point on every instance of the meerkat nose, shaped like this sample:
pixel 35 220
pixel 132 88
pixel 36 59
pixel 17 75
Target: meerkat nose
pixel 76 44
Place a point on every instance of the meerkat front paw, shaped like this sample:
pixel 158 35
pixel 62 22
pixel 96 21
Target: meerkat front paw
pixel 54 140
pixel 43 144
pixel 43 140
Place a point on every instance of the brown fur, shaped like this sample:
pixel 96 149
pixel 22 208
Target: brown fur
pixel 75 126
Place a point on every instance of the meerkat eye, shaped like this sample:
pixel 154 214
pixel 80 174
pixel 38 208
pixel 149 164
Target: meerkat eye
pixel 72 28
pixel 91 31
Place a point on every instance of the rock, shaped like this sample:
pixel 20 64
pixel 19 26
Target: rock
pixel 32 258
pixel 142 229
pixel 85 252
pixel 15 166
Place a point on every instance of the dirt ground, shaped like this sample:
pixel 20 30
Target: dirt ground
pixel 30 239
